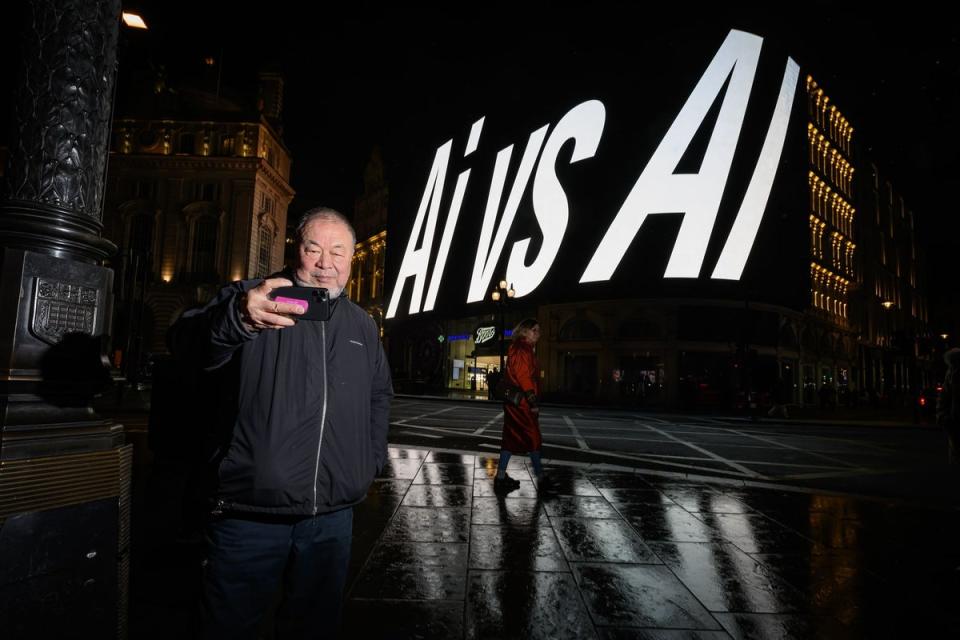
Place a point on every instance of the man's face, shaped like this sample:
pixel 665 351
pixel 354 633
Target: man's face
pixel 325 255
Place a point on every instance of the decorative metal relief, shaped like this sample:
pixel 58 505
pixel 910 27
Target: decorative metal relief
pixel 62 107
pixel 60 308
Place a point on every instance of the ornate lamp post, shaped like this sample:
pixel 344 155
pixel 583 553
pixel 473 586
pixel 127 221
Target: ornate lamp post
pixel 64 470
pixel 501 294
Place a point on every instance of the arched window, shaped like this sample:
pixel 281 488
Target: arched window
pixel 639 328
pixel 579 328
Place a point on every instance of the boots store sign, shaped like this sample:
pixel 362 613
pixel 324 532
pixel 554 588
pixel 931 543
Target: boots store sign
pixel 521 217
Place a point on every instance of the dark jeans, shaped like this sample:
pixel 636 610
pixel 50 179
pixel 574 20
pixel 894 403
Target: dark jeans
pixel 248 557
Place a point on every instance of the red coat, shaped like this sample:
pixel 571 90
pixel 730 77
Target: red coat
pixel 521 427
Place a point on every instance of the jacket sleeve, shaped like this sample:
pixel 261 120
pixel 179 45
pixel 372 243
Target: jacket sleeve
pixel 521 371
pixel 208 336
pixel 380 398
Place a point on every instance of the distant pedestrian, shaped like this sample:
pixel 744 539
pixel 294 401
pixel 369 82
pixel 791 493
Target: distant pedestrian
pixel 493 379
pixel 779 399
pixel 827 396
pixel 948 405
pixel 521 420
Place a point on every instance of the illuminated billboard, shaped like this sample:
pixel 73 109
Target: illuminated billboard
pixel 663 178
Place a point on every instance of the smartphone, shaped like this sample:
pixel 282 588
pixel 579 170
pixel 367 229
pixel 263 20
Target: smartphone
pixel 315 301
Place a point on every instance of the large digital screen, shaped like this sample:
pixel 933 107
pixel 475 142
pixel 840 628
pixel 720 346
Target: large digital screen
pixel 675 169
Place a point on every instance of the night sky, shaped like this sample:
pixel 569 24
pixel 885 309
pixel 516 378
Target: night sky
pixel 363 75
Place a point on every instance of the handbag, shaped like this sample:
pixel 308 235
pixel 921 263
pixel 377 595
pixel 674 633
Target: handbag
pixel 503 392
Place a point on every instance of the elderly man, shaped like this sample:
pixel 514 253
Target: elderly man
pixel 303 411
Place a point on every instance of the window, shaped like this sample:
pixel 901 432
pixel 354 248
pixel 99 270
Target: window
pixel 143 189
pixel 188 144
pixel 207 191
pixel 263 255
pixel 579 328
pixel 204 246
pixel 226 145
pixel 140 240
pixel 266 203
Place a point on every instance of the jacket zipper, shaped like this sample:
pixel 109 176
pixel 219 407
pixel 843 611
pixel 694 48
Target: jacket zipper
pixel 323 415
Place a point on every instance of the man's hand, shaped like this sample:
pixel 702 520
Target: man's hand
pixel 260 312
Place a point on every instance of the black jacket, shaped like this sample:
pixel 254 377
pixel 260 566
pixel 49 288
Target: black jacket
pixel 302 412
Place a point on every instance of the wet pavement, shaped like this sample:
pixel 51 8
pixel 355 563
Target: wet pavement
pixel 622 554
pixel 605 553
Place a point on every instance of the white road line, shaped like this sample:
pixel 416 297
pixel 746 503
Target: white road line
pixel 452 432
pixel 431 413
pixel 489 422
pixel 709 420
pixel 843 474
pixel 710 454
pixel 823 468
pixel 422 435
pixel 844 463
pixel 663 463
pixel 576 434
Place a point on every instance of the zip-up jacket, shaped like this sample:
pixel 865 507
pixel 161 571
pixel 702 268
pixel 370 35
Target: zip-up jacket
pixel 303 411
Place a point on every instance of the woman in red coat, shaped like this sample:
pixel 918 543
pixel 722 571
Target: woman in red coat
pixel 521 420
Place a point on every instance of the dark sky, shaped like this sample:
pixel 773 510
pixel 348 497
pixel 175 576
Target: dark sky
pixel 358 74
pixel 355 76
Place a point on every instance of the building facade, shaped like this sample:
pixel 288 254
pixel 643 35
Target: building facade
pixel 194 199
pixel 368 269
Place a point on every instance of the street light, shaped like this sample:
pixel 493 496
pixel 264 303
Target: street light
pixel 133 20
pixel 501 294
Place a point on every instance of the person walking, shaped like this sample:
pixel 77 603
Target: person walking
pixel 521 421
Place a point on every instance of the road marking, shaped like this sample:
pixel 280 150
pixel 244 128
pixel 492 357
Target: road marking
pixel 431 413
pixel 576 434
pixel 793 448
pixel 489 422
pixel 640 458
pixel 843 474
pixel 423 435
pixel 710 454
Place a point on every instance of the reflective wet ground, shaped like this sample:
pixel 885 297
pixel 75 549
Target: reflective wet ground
pixel 604 554
pixel 619 554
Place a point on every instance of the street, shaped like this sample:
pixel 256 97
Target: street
pixel 875 460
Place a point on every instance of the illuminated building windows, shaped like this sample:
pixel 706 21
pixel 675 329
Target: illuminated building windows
pixel 829 160
pixel 828 291
pixel 828 117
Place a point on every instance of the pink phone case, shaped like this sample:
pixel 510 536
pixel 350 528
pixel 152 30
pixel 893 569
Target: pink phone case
pixel 303 304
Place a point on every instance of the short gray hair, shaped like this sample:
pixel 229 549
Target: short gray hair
pixel 323 213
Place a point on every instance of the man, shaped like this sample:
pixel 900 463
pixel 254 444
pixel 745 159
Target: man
pixel 493 379
pixel 303 412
